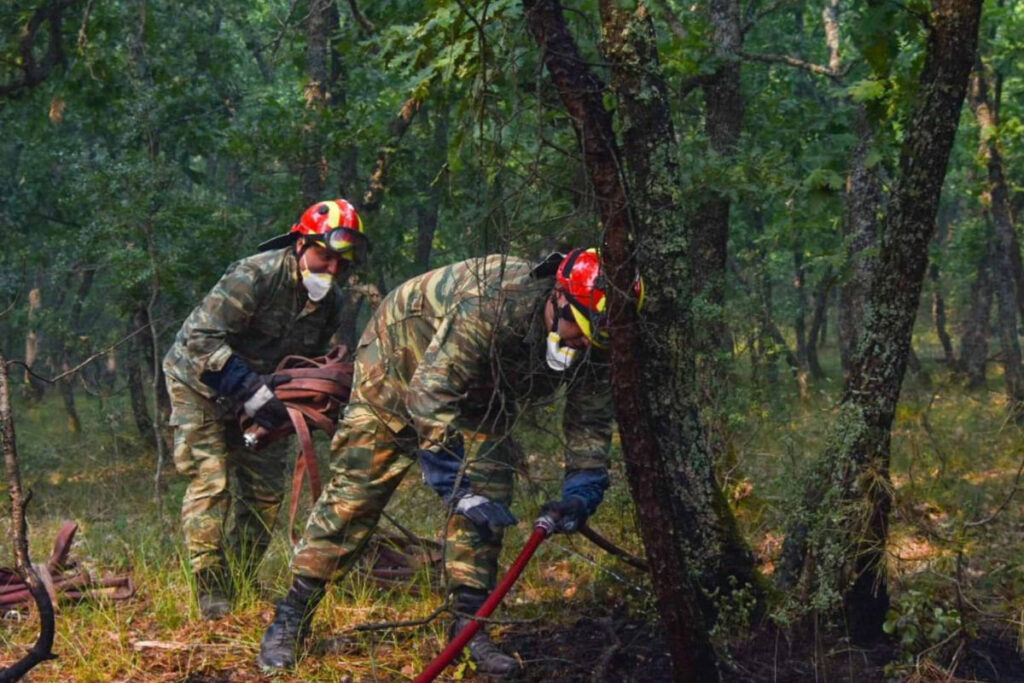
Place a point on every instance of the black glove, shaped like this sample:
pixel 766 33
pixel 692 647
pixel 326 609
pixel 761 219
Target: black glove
pixel 490 516
pixel 259 402
pixel 568 514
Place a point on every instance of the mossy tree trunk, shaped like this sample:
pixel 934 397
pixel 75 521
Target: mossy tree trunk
pixel 843 528
pixel 668 340
pixel 690 536
pixel 860 227
pixel 723 119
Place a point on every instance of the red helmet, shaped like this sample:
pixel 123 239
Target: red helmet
pixel 333 224
pixel 583 283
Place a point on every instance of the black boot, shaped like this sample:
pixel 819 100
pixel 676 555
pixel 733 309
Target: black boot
pixel 488 658
pixel 213 587
pixel 291 625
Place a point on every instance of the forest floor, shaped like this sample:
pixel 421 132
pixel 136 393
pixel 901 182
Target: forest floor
pixel 577 614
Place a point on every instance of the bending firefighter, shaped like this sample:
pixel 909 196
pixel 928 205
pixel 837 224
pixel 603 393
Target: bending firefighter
pixel 279 302
pixel 447 359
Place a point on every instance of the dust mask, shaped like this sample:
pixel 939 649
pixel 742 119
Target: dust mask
pixel 317 285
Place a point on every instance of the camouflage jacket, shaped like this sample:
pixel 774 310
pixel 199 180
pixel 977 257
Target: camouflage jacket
pixel 258 310
pixel 463 347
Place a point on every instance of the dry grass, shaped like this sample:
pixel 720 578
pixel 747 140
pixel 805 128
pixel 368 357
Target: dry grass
pixel 954 461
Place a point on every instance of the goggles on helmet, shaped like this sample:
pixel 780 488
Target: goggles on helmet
pixel 344 241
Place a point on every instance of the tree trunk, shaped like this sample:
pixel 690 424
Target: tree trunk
pixel 34 387
pixel 860 227
pixel 669 386
pixel 134 356
pixel 939 317
pixel 974 341
pixel 428 210
pixel 818 323
pixel 800 319
pixel 799 322
pixel 668 499
pixel 846 510
pixel 66 385
pixel 1006 264
pixel 313 171
pixel 723 101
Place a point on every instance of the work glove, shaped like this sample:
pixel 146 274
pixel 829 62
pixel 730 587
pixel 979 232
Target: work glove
pixel 489 516
pixel 259 402
pixel 582 492
pixel 441 471
pixel 252 391
pixel 568 514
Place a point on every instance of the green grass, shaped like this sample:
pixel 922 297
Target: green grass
pixel 954 461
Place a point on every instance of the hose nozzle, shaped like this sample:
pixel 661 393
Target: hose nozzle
pixel 546 523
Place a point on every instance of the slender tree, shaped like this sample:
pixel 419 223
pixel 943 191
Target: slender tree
pixel 845 516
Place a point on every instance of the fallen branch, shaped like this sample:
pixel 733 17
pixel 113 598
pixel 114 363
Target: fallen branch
pixel 612 549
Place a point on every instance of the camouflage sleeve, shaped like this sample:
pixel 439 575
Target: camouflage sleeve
pixel 587 421
pixel 227 309
pixel 458 353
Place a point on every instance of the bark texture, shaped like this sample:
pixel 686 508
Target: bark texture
pixel 714 546
pixel 656 494
pixel 847 507
pixel 860 228
pixel 723 101
pixel 313 172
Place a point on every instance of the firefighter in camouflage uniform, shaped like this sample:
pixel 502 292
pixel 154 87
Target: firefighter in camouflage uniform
pixel 448 359
pixel 278 302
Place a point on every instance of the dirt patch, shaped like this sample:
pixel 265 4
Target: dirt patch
pixel 617 647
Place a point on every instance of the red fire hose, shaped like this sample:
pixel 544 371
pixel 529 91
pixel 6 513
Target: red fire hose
pixel 541 529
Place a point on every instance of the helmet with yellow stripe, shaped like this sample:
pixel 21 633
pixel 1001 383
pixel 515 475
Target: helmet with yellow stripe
pixel 581 280
pixel 333 224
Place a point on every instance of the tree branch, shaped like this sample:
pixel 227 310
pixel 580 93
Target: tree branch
pixel 378 180
pixel 612 549
pixel 794 62
pixel 360 18
pixel 1009 497
pixel 35 72
pixel 71 371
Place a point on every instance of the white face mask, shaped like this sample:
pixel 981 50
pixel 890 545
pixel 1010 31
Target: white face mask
pixel 317 285
pixel 559 358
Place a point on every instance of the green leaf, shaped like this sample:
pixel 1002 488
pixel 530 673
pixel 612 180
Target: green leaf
pixel 866 90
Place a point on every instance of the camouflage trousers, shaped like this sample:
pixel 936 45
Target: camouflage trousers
pixel 234 494
pixel 369 460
